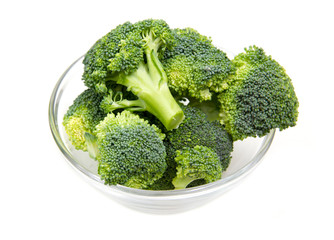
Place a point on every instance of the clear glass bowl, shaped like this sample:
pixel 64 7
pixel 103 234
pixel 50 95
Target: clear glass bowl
pixel 246 156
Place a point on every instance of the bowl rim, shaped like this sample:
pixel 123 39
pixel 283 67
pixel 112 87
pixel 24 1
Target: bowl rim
pixel 224 182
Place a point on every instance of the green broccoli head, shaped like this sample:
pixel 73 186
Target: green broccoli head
pixel 194 130
pixel 129 55
pixel 131 151
pixel 122 50
pixel 260 96
pixel 82 117
pixel 196 163
pixel 195 67
pixel 197 130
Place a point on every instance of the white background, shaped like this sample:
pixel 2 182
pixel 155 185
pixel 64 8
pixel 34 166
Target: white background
pixel 289 196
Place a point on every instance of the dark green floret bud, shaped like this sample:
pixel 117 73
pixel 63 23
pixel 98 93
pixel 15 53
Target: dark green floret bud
pixel 131 151
pixel 260 97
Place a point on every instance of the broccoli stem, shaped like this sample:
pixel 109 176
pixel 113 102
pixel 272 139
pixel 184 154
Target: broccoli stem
pixel 149 83
pixel 130 105
pixel 92 147
pixel 182 183
pixel 166 109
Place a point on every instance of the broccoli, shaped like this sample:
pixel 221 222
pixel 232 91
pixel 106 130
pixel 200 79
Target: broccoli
pixel 92 147
pixel 130 151
pixel 195 67
pixel 129 55
pixel 196 163
pixel 164 106
pixel 195 130
pixel 260 96
pixel 117 93
pixel 82 117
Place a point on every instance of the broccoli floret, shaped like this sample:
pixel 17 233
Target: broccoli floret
pixel 195 67
pixel 196 163
pixel 195 130
pixel 131 151
pixel 129 55
pixel 260 96
pixel 82 117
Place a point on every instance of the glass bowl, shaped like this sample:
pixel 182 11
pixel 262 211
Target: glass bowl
pixel 246 156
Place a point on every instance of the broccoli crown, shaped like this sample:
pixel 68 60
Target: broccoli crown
pixel 122 49
pixel 195 67
pixel 82 116
pixel 194 130
pixel 260 97
pixel 196 163
pixel 197 130
pixel 129 55
pixel 131 151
